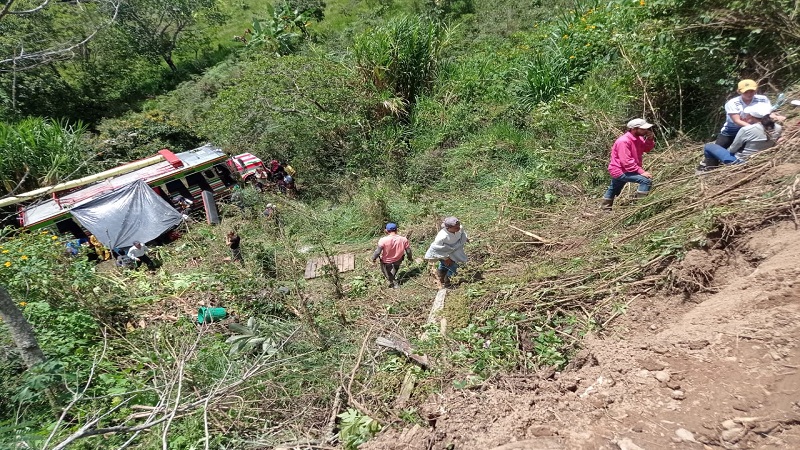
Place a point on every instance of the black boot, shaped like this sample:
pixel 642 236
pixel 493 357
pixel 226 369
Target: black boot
pixel 607 203
pixel 443 279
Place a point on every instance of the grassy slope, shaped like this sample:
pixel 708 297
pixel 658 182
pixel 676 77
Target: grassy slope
pixel 518 305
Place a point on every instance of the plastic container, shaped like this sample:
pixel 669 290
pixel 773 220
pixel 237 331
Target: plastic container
pixel 206 314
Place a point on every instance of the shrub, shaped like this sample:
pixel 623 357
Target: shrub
pixel 401 57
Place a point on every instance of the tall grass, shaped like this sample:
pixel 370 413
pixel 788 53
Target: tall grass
pixel 38 152
pixel 401 57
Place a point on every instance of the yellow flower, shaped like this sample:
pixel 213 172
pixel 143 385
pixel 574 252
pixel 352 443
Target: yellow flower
pixel 23 257
pixel 54 237
pixel 23 303
pixel 571 56
pixel 641 2
pixel 566 36
pixel 7 264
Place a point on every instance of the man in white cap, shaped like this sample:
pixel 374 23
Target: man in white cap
pixel 448 248
pixel 626 161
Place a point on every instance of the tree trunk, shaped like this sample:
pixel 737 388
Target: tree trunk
pixel 21 330
pixel 170 63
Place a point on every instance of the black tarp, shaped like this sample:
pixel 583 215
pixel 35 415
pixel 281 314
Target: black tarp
pixel 133 213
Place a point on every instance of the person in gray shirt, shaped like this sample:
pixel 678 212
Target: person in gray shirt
pixel 761 134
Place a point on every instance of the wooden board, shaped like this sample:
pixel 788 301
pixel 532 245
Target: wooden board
pixel 345 263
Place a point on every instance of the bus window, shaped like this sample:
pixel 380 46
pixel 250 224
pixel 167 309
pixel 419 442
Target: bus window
pixel 224 175
pixel 161 193
pixel 69 226
pixel 176 187
pixel 196 179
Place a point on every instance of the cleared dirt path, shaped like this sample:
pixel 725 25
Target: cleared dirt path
pixel 718 370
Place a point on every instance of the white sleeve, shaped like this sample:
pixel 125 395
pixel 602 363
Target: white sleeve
pixel 733 106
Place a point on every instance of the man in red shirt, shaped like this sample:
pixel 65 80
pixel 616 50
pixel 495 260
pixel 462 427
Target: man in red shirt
pixel 626 161
pixel 391 249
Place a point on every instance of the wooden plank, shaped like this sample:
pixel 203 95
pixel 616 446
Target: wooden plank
pixel 405 390
pixel 344 263
pixel 438 305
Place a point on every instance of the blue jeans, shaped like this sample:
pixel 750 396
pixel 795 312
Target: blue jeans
pixel 714 152
pixel 630 177
pixel 451 270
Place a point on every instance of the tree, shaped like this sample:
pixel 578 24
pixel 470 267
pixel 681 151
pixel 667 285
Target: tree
pixel 21 331
pixel 156 27
pixel 30 38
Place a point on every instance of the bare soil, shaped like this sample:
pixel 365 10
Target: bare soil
pixel 718 368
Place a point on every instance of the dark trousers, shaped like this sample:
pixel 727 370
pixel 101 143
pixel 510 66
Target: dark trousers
pixel 236 255
pixel 146 259
pixel 724 140
pixel 390 270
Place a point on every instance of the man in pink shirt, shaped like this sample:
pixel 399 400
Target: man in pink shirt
pixel 391 249
pixel 626 161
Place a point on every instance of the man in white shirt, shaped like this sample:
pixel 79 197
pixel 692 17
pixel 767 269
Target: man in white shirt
pixel 138 253
pixel 448 248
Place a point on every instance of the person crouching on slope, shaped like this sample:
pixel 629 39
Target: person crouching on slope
pixel 761 133
pixel 626 161
pixel 391 249
pixel 448 248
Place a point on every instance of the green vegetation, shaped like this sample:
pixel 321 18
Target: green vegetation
pixel 500 113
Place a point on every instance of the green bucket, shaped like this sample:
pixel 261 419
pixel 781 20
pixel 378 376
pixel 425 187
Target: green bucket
pixel 205 314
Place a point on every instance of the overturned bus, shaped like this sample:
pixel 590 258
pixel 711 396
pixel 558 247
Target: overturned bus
pixel 115 197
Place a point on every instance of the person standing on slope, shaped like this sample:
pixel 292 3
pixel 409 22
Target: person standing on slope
pixel 392 248
pixel 448 248
pixel 626 161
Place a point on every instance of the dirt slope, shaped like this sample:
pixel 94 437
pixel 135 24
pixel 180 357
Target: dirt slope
pixel 727 358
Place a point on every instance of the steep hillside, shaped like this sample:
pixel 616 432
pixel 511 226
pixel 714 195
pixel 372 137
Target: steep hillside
pixel 698 351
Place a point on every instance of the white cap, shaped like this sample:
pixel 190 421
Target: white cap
pixel 759 110
pixel 639 123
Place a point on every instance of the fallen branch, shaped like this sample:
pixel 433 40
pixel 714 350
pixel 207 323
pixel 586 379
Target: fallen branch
pixel 403 346
pixel 531 235
pixel 352 401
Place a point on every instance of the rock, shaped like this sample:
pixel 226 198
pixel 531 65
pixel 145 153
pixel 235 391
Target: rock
pixel 741 406
pixel 583 358
pixel 638 427
pixel 546 373
pixel 732 435
pixel 729 424
pixel 699 344
pixel 660 349
pixel 627 444
pixel 685 435
pixel 674 385
pixel 662 376
pixel 541 430
pixel 600 401
pixel 678 395
pixel 653 327
pixel 652 365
